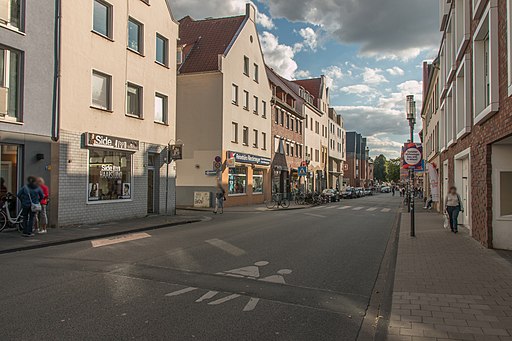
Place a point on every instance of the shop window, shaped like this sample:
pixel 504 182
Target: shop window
pixel 110 175
pixel 10 81
pixel 237 181
pixel 505 194
pixel 9 155
pixel 257 181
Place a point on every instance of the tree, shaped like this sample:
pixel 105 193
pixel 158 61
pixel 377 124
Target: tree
pixel 393 170
pixel 379 170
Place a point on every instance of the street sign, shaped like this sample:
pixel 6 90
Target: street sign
pixel 210 173
pixel 303 171
pixel 217 165
pixel 412 156
pixel 218 159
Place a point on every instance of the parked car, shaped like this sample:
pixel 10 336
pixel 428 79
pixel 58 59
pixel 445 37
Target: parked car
pixel 385 189
pixel 368 192
pixel 349 193
pixel 359 192
pixel 332 194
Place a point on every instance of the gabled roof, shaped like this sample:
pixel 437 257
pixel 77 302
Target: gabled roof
pixel 204 40
pixel 313 86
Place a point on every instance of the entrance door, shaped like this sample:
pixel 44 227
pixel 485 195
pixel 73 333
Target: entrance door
pixel 465 192
pixel 10 170
pixel 152 182
pixel 502 195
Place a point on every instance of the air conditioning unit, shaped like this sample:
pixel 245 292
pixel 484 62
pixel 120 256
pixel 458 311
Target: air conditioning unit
pixel 4 101
pixel 5 11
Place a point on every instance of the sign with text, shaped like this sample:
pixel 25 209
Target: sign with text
pixel 412 156
pixel 110 142
pixel 250 159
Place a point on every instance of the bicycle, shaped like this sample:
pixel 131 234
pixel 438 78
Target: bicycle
pixel 300 199
pixel 278 200
pixel 6 220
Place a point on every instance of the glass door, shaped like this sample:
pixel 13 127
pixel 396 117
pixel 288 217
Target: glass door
pixel 10 178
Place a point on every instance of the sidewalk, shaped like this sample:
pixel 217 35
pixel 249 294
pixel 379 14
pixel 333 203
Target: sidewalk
pixel 12 241
pixel 448 287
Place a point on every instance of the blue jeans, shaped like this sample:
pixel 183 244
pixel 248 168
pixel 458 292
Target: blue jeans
pixel 28 219
pixel 453 213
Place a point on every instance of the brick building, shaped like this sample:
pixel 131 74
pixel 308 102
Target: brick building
pixel 475 76
pixel 357 169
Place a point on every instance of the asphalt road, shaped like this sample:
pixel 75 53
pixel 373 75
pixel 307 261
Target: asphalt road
pixel 290 275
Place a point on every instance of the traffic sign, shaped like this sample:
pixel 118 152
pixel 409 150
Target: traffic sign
pixel 218 159
pixel 412 156
pixel 303 171
pixel 210 173
pixel 217 165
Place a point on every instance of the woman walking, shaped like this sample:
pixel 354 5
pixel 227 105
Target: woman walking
pixel 30 196
pixel 41 217
pixel 453 207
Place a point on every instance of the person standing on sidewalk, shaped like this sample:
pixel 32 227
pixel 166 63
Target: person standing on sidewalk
pixel 220 197
pixel 41 218
pixel 30 196
pixel 453 208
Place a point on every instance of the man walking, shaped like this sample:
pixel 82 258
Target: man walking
pixel 220 197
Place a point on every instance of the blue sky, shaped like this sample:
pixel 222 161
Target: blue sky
pixel 371 50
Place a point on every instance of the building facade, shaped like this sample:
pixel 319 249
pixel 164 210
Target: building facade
pixel 223 112
pixel 358 155
pixel 27 91
pixel 287 135
pixel 337 150
pixel 117 110
pixel 475 76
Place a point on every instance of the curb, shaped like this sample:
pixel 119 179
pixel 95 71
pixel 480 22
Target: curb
pixel 105 235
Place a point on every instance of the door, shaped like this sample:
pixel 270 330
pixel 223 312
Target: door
pixel 465 192
pixel 502 196
pixel 152 183
pixel 10 171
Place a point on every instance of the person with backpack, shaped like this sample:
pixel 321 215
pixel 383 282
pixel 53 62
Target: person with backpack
pixel 30 196
pixel 220 197
pixel 453 206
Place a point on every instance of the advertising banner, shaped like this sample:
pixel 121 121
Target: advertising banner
pixel 434 181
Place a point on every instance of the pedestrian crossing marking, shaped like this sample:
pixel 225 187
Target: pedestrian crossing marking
pixel 315 215
pixel 372 209
pixel 330 207
pixel 386 210
pixel 344 207
pixel 358 208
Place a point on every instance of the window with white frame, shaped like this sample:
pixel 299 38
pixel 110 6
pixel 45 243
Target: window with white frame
pixel 245 136
pixel 264 109
pixel 448 123
pixel 264 141
pixel 463 99
pixel 234 94
pixel 162 50
pixel 256 73
pixel 450 53
pixel 234 132
pixel 256 105
pixel 161 108
pixel 256 136
pixel 246 100
pixel 10 83
pixel 102 18
pixel 246 66
pixel 135 36
pixel 485 66
pixel 101 90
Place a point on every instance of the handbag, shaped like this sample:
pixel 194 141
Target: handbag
pixel 33 207
pixel 446 221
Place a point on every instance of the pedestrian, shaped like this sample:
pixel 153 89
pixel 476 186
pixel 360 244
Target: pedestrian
pixel 453 207
pixel 30 196
pixel 393 190
pixel 220 197
pixel 429 203
pixel 41 217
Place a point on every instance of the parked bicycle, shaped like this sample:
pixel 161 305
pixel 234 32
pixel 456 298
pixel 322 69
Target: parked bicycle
pixel 6 220
pixel 278 200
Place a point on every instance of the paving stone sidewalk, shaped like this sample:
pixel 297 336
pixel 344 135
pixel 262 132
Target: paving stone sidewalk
pixel 448 287
pixel 12 241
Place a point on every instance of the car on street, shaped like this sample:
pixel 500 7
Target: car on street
pixel 385 189
pixel 332 194
pixel 368 192
pixel 349 193
pixel 360 192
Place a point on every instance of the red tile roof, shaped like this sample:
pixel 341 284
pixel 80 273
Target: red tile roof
pixel 313 86
pixel 205 40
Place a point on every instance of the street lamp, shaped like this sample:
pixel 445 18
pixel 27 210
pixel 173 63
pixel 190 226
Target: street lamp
pixel 411 117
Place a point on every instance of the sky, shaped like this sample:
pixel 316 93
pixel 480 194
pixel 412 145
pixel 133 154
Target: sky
pixel 372 51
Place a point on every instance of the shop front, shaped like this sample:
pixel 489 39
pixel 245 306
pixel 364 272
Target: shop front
pixel 248 179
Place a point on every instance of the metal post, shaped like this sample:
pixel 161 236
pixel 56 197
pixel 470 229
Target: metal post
pixel 413 192
pixel 167 182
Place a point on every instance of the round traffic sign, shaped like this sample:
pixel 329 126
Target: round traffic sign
pixel 412 156
pixel 218 159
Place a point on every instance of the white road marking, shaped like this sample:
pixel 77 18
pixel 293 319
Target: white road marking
pixel 225 246
pixel 315 215
pixel 207 296
pixel 385 210
pixel 372 209
pixel 344 207
pixel 120 239
pixel 224 299
pixel 318 207
pixel 330 207
pixel 179 292
pixel 251 304
pixel 358 209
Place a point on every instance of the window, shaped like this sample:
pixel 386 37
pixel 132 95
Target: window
pixel 288 121
pixel 277 116
pixel 162 50
pixel 256 103
pixel 505 205
pixel 264 141
pixel 11 13
pixel 102 18
pixel 311 123
pixel 257 181
pixel 110 175
pixel 237 184
pixel 134 100
pixel 485 66
pixel 246 136
pixel 10 84
pixel 292 120
pixel 462 23
pixel 317 155
pixel 161 108
pixel 256 73
pixel 179 56
pixel 101 90
pixel 234 94
pixel 292 149
pixel 282 118
pixel 287 148
pixel 234 132
pixel 256 136
pixel 135 36
pixel 463 99
pixel 317 127
pixel 264 108
pixel 246 100
pixel 246 66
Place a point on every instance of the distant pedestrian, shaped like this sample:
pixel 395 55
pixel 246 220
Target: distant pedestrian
pixel 429 203
pixel 453 207
pixel 220 197
pixel 41 217
pixel 30 196
pixel 393 190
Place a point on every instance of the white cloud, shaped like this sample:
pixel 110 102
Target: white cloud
pixel 357 89
pixel 333 74
pixel 265 21
pixel 302 74
pixel 373 76
pixel 380 144
pixel 395 71
pixel 278 56
pixel 310 38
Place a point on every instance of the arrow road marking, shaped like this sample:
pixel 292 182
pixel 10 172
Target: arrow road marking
pixel 207 296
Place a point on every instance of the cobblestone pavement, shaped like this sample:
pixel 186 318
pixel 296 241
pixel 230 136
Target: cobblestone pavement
pixel 448 287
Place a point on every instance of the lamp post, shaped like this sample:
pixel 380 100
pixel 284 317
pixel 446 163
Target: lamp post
pixel 411 117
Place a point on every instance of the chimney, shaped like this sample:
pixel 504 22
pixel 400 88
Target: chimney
pixel 250 11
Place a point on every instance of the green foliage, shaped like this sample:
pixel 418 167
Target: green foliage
pixel 393 170
pixel 380 168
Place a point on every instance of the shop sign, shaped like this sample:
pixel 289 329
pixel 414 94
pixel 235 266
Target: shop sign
pixel 230 163
pixel 111 172
pixel 110 142
pixel 250 159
